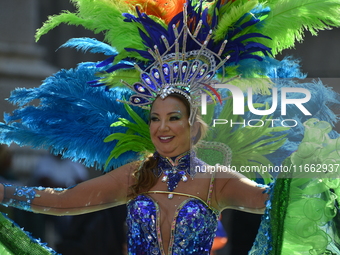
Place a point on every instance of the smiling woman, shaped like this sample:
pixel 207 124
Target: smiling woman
pixel 171 135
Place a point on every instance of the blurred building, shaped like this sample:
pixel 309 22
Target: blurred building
pixel 25 63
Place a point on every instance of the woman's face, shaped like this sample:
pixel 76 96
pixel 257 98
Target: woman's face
pixel 169 126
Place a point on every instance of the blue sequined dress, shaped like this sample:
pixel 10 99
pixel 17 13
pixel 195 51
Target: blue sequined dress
pixel 192 230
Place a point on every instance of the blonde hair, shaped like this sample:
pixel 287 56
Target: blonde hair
pixel 202 130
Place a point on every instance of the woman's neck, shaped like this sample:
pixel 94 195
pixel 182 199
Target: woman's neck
pixel 174 160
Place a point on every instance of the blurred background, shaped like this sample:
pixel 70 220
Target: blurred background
pixel 24 63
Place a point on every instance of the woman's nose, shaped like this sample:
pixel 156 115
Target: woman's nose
pixel 164 126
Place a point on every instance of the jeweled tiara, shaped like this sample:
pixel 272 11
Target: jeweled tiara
pixel 189 73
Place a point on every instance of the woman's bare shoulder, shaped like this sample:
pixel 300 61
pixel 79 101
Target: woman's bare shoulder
pixel 127 169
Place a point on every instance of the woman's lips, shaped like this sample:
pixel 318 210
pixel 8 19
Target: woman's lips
pixel 165 139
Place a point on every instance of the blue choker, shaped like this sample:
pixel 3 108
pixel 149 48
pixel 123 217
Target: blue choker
pixel 176 169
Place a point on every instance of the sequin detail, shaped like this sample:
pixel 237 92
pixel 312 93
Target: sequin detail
pixel 263 244
pixel 192 233
pixel 176 169
pixel 143 229
pixel 194 230
pixel 22 197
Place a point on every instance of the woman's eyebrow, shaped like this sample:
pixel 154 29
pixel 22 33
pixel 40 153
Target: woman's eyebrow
pixel 174 112
pixel 169 113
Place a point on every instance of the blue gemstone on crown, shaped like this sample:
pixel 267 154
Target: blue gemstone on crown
pixel 184 68
pixel 156 76
pixel 148 81
pixel 166 73
pixel 172 77
pixel 175 69
pixel 202 71
pixel 141 89
pixel 138 100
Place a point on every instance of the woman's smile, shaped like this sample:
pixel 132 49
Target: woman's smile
pixel 166 139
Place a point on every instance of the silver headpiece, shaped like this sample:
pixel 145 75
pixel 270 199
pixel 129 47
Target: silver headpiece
pixel 189 73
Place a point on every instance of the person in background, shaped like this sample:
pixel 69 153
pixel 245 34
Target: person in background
pixel 54 171
pixel 6 175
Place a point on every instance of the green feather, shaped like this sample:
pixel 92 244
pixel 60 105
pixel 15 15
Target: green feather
pixel 137 138
pixel 289 19
pixel 101 16
pixel 229 14
pixel 114 79
pixel 259 84
pixel 143 127
pixel 249 145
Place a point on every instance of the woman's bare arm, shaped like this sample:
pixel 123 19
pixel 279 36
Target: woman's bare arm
pixel 235 191
pixel 96 194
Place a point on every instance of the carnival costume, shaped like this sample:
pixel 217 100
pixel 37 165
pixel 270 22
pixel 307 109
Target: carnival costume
pixel 159 48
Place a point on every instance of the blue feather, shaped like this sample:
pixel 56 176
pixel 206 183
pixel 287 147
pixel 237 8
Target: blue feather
pixel 91 45
pixel 121 65
pixel 205 25
pixel 106 62
pixel 143 53
pixel 129 17
pixel 323 99
pixel 286 68
pixel 72 118
pixel 154 31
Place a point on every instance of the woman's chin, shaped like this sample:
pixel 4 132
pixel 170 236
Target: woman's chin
pixel 171 153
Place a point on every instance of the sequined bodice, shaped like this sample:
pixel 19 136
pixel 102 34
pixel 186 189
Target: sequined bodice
pixel 192 232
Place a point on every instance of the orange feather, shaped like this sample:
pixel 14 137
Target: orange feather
pixel 164 9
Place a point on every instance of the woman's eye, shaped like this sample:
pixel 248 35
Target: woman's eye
pixel 154 119
pixel 174 118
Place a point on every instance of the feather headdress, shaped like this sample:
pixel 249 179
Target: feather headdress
pixel 238 37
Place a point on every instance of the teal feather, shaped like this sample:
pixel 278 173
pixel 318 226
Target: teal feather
pixel 90 44
pixel 72 118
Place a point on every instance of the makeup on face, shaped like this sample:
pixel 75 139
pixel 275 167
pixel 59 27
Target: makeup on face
pixel 169 127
